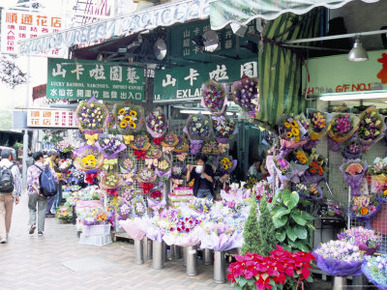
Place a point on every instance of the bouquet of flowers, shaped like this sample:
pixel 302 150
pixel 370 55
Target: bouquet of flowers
pixel 156 201
pixel 225 164
pixel 246 94
pixel 353 171
pixel 146 175
pixel 184 232
pixel 92 117
pixel 162 223
pixel 110 146
pixel 140 143
pixel 352 149
pixel 283 168
pixel 88 159
pixel 154 152
pixel 74 176
pixel 266 272
pixel 156 124
pixel 318 124
pixel 263 188
pixel 64 214
pixel 163 169
pixel 170 140
pixel 375 269
pixel 235 193
pixel 363 208
pixel 224 128
pixel 128 164
pixel 341 128
pixel 64 147
pixel 339 258
pixel 378 172
pixel 138 206
pixel 92 216
pixel 135 227
pixel 178 170
pixel 366 240
pixel 201 206
pixel 182 145
pixel 316 171
pixel 308 191
pixel 65 164
pixel 214 97
pixel 198 128
pixel 129 118
pixel 371 127
pixel 110 182
pixel 292 131
pixel 123 209
pixel 210 147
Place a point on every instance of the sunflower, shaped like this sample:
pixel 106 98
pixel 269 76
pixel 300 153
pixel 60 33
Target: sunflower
pixel 289 135
pixel 128 118
pixel 294 124
pixel 123 124
pixel 295 131
pixel 287 124
pixel 121 112
pixel 133 113
pixel 132 125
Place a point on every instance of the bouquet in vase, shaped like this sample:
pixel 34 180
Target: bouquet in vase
pixel 366 239
pixel 371 127
pixel 246 94
pixel 129 118
pixel 214 97
pixel 92 117
pixel 375 269
pixel 352 149
pixel 353 171
pixel 110 146
pixel 156 125
pixel 198 128
pixel 339 258
pixel 224 128
pixel 341 128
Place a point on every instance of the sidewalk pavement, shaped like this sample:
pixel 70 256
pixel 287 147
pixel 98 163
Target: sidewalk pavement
pixel 57 261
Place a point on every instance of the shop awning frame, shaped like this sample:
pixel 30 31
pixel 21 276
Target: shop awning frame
pixel 161 15
pixel 241 12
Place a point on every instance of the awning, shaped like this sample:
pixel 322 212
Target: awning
pixel 160 15
pixel 223 12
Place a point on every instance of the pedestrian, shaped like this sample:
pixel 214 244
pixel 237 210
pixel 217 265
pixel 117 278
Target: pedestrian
pixel 50 160
pixel 204 177
pixel 10 196
pixel 29 160
pixel 58 196
pixel 35 198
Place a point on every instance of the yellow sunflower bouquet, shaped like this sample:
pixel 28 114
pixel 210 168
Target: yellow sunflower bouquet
pixel 129 118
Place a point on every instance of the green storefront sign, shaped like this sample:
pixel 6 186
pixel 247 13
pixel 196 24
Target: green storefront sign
pixel 82 79
pixel 178 84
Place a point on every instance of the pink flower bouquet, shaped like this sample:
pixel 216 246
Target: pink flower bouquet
pixel 214 97
pixel 366 239
pixel 353 171
pixel 341 128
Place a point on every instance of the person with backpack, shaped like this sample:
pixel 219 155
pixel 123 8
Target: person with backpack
pixel 50 160
pixel 42 182
pixel 10 190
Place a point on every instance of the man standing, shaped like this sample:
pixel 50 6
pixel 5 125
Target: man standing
pixel 52 154
pixel 35 198
pixel 9 194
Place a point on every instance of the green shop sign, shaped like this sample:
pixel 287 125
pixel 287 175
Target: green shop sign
pixel 82 79
pixel 178 84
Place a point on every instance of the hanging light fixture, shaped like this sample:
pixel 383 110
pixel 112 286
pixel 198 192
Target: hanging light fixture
pixel 357 53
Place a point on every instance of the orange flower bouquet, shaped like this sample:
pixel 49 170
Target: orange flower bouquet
pixel 364 208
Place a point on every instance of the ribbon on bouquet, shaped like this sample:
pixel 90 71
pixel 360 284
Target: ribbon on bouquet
pixel 128 177
pixel 112 192
pixel 146 187
pixel 224 147
pixel 109 162
pixel 168 150
pixel 128 138
pixel 90 177
pixel 158 140
pixel 91 138
pixel 140 154
pixel 150 162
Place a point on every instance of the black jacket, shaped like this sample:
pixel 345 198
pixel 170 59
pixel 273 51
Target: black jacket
pixel 208 170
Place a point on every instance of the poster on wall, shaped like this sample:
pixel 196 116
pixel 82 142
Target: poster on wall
pixel 82 79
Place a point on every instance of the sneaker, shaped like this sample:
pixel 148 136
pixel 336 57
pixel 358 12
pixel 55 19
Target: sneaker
pixel 40 233
pixel 32 229
pixel 3 240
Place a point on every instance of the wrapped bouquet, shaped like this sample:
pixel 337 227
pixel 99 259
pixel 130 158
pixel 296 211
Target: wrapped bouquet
pixel 156 201
pixel 89 159
pixel 292 131
pixel 246 94
pixel 224 128
pixel 225 165
pixel 352 149
pixel 156 125
pixel 353 171
pixel 364 208
pixel 210 147
pixel 183 233
pixel 110 182
pixel 123 209
pixel 318 124
pixel 308 191
pixel 378 172
pixel 214 97
pixel 182 145
pixel 341 128
pixel 163 169
pixel 371 127
pixel 366 239
pixel 375 269
pixel 169 142
pixel 198 128
pixel 129 118
pixel 316 171
pixel 110 145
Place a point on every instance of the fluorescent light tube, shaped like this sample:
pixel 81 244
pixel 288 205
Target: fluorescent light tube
pixel 354 96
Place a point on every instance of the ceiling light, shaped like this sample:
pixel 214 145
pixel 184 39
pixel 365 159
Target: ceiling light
pixel 354 96
pixel 357 53
pixel 160 49
pixel 195 112
pixel 209 41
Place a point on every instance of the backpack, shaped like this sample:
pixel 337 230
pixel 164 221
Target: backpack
pixel 47 182
pixel 6 179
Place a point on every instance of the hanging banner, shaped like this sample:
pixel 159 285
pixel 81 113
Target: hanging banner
pixel 81 79
pixel 21 25
pixel 177 84
pixel 49 118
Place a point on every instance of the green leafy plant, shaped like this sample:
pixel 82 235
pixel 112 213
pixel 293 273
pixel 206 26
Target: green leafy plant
pixel 251 231
pixel 266 235
pixel 290 222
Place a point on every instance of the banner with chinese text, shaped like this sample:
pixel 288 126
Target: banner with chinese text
pixel 20 25
pixel 81 79
pixel 185 83
pixel 49 118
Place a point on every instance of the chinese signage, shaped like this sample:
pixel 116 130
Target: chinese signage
pixel 160 15
pixel 335 74
pixel 48 118
pixel 75 79
pixel 20 25
pixel 185 83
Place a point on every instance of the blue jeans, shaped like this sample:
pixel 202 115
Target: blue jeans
pixel 205 193
pixel 58 198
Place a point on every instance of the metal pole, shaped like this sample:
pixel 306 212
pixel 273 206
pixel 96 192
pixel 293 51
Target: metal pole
pixel 138 252
pixel 339 283
pixel 192 268
pixel 185 256
pixel 25 137
pixel 145 248
pixel 158 262
pixel 219 268
pixel 207 257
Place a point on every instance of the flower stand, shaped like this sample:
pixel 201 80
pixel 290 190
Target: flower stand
pixel 138 252
pixel 185 256
pixel 165 256
pixel 219 267
pixel 339 283
pixel 157 253
pixel 192 269
pixel 207 257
